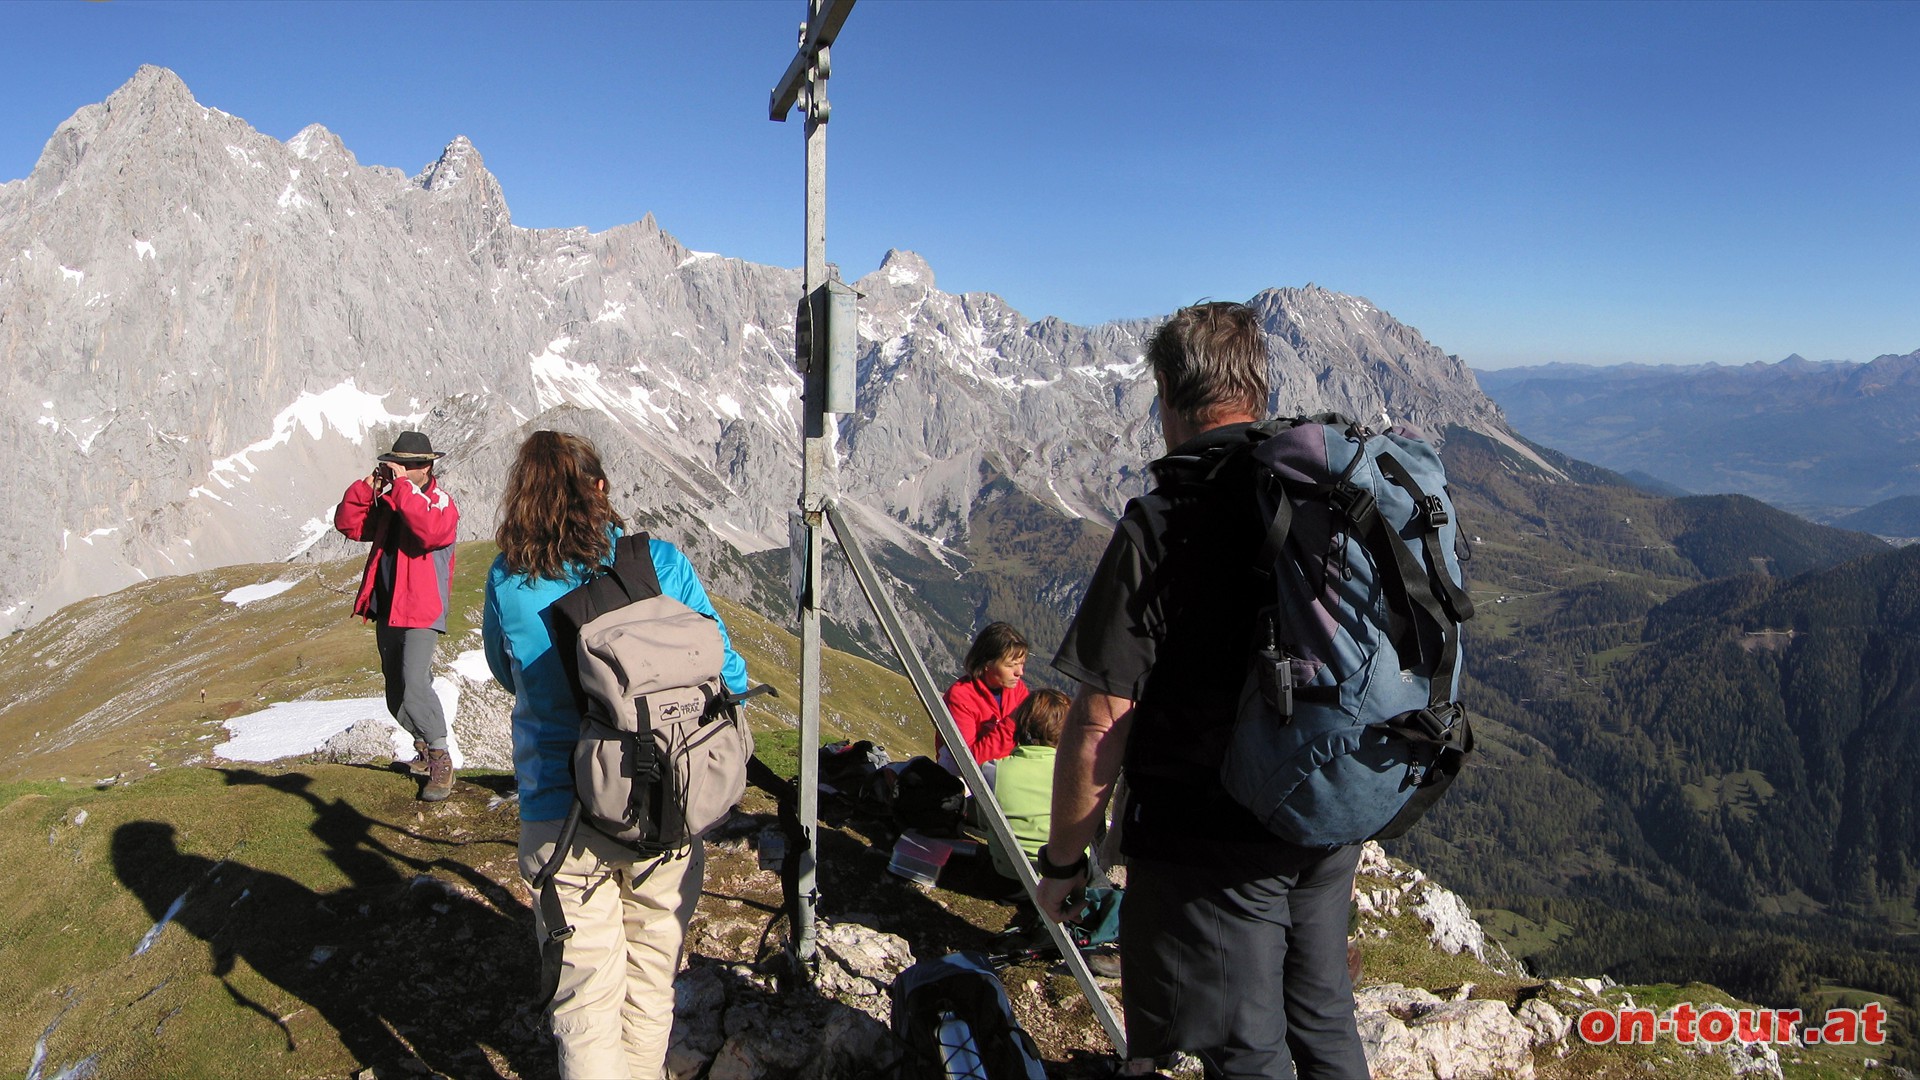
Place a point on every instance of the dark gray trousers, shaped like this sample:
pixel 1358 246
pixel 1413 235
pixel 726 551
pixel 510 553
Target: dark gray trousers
pixel 406 659
pixel 1250 976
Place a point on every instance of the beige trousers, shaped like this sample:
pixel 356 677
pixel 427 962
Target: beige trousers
pixel 613 1014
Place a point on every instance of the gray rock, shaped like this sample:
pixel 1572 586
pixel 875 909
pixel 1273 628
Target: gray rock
pixel 1445 1040
pixel 1545 1022
pixel 367 742
pixel 731 1023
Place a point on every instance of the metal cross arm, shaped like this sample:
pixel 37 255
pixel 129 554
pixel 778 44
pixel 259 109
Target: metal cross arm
pixel 816 34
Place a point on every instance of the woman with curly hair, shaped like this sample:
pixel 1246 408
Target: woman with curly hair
pixel 613 1010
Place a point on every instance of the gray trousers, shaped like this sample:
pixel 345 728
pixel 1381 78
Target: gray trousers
pixel 1250 976
pixel 406 659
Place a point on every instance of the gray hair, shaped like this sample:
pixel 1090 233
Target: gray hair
pixel 1210 359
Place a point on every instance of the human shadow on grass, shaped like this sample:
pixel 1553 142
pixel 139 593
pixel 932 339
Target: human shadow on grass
pixel 399 965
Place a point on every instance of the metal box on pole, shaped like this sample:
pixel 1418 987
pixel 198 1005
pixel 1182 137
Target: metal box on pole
pixel 842 346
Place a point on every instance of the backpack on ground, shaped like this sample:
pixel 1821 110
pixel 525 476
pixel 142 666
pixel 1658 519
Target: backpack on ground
pixel 953 1020
pixel 928 799
pixel 858 773
pixel 1349 726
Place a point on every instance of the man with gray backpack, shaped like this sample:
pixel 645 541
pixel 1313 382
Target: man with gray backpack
pixel 1270 646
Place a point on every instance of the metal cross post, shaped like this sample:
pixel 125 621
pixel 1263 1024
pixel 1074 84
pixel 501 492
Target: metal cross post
pixel 826 343
pixel 805 85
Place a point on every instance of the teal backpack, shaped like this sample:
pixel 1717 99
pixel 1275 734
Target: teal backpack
pixel 1349 724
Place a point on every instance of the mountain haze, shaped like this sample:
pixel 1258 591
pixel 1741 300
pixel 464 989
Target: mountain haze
pixel 1821 439
pixel 222 330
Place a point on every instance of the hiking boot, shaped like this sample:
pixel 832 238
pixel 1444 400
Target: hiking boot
pixel 439 776
pixel 418 766
pixel 1103 960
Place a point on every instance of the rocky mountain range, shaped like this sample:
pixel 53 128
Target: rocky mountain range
pixel 206 333
pixel 1820 439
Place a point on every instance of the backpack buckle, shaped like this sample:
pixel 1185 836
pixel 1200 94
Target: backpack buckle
pixel 1436 512
pixel 1354 504
pixel 1436 724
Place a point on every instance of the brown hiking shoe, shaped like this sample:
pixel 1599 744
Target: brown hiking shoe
pixel 439 776
pixel 418 766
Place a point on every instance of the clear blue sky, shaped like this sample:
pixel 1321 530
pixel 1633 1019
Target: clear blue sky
pixel 1664 182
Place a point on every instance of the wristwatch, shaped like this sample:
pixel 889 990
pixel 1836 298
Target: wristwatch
pixel 1050 869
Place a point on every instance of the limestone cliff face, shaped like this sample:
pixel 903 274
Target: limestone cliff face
pixel 205 333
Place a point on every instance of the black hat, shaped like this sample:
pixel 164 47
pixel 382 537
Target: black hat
pixel 411 448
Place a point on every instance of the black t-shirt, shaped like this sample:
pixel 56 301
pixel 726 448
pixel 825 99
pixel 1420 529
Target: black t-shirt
pixel 1167 623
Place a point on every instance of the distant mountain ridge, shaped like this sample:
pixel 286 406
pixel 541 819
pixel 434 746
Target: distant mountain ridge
pixel 1822 439
pixel 224 328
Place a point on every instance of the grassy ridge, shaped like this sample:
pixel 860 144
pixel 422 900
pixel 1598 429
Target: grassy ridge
pixel 114 685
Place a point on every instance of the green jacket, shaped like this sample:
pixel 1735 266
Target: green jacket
pixel 1023 783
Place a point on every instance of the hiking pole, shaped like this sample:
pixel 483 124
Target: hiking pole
pixel 985 805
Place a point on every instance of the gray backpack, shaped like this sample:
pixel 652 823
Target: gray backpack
pixel 663 751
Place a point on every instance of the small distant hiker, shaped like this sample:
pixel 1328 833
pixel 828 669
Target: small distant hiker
pixel 612 1009
pixel 1233 940
pixel 411 521
pixel 982 702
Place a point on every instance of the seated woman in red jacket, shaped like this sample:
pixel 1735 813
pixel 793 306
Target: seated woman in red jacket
pixel 982 703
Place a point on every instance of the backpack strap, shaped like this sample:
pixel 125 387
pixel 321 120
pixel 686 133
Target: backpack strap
pixel 633 567
pixel 558 929
pixel 1458 604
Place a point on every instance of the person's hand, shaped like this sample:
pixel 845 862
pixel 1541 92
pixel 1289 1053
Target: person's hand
pixel 412 474
pixel 377 479
pixel 1060 899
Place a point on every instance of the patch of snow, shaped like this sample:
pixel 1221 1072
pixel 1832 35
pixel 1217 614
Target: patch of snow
pixel 75 276
pixel 472 666
pixel 293 728
pixel 610 310
pixel 302 144
pixel 142 249
pixel 900 274
pixel 346 409
pixel 98 532
pixel 727 406
pixel 696 256
pixel 247 594
pixel 310 533
pixel 153 935
pixel 289 198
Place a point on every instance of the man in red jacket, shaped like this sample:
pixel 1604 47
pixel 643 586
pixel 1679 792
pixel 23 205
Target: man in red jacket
pixel 411 522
